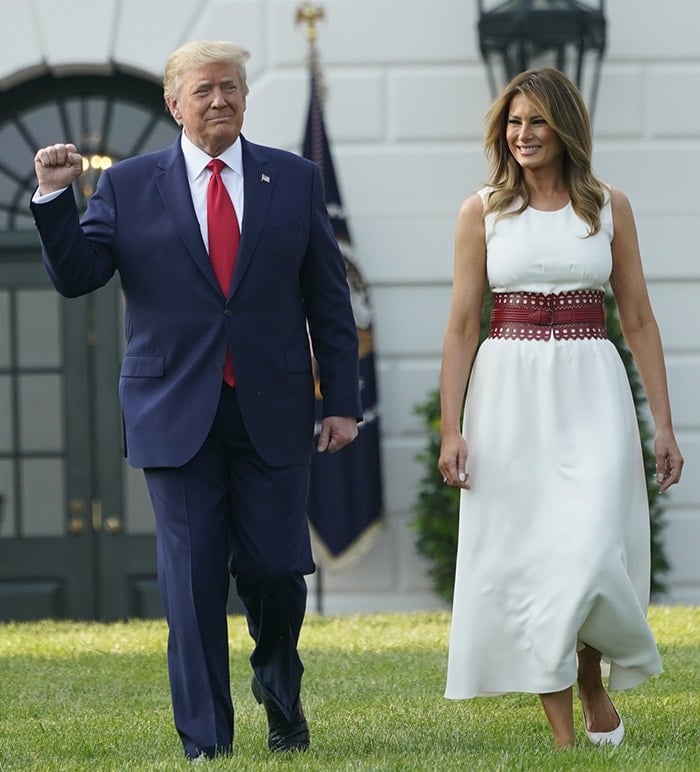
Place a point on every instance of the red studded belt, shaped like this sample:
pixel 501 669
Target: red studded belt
pixel 535 316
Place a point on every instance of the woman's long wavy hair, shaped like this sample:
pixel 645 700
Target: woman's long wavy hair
pixel 560 103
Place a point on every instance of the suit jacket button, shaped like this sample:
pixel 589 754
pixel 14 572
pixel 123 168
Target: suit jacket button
pixel 228 312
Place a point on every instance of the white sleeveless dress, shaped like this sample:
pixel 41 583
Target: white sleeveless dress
pixel 554 533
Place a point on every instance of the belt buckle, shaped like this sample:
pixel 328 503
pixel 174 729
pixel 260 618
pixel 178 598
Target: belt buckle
pixel 543 317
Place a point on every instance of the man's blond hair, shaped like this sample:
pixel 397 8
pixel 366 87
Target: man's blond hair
pixel 198 53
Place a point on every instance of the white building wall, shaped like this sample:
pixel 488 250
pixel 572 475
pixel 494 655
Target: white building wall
pixel 406 92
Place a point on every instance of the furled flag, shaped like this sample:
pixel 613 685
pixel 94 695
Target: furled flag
pixel 345 500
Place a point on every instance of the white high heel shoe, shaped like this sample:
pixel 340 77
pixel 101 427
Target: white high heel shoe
pixel 613 738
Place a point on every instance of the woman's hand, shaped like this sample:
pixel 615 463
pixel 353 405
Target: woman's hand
pixel 453 461
pixel 669 461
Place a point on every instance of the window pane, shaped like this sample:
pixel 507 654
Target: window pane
pixel 128 121
pixel 4 329
pixel 44 125
pixel 42 497
pixel 40 414
pixel 138 514
pixel 5 414
pixel 17 156
pixel 7 500
pixel 39 329
pixel 162 135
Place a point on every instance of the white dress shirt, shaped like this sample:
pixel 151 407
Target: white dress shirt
pixel 198 175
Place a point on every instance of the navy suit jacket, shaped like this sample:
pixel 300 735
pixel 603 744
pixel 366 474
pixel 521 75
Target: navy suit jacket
pixel 289 283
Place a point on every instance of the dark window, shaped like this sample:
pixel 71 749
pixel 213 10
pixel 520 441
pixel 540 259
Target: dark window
pixel 107 116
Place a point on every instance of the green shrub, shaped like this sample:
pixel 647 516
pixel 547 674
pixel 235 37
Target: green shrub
pixel 436 510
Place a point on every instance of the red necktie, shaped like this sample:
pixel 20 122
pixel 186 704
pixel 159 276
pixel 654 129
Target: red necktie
pixel 224 235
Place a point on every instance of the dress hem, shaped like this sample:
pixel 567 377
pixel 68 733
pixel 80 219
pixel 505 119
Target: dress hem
pixel 619 682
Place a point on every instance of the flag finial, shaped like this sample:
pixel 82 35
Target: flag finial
pixel 309 14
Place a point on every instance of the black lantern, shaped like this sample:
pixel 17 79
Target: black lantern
pixel 518 35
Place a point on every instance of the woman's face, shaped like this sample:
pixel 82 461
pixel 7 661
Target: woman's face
pixel 532 142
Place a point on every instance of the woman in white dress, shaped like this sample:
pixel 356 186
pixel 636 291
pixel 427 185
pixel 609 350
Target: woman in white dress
pixel 553 558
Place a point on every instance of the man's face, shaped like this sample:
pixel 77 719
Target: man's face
pixel 209 104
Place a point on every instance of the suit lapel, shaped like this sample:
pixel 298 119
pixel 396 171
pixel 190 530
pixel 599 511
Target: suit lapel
pixel 173 187
pixel 258 184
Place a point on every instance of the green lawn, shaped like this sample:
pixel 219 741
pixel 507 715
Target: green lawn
pixel 95 697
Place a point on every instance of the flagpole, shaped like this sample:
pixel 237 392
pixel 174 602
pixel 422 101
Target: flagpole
pixel 309 15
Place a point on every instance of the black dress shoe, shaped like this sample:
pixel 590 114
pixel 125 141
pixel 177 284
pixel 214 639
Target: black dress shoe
pixel 283 735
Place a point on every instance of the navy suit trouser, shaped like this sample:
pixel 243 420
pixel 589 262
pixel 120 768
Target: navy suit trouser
pixel 228 512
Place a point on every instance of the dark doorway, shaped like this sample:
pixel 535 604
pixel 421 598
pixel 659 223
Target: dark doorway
pixel 76 530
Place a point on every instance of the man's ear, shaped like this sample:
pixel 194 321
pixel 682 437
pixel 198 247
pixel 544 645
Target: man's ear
pixel 174 110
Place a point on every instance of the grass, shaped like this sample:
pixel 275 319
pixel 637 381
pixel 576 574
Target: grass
pixel 95 697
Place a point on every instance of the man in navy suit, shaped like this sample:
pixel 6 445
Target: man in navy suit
pixel 227 466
